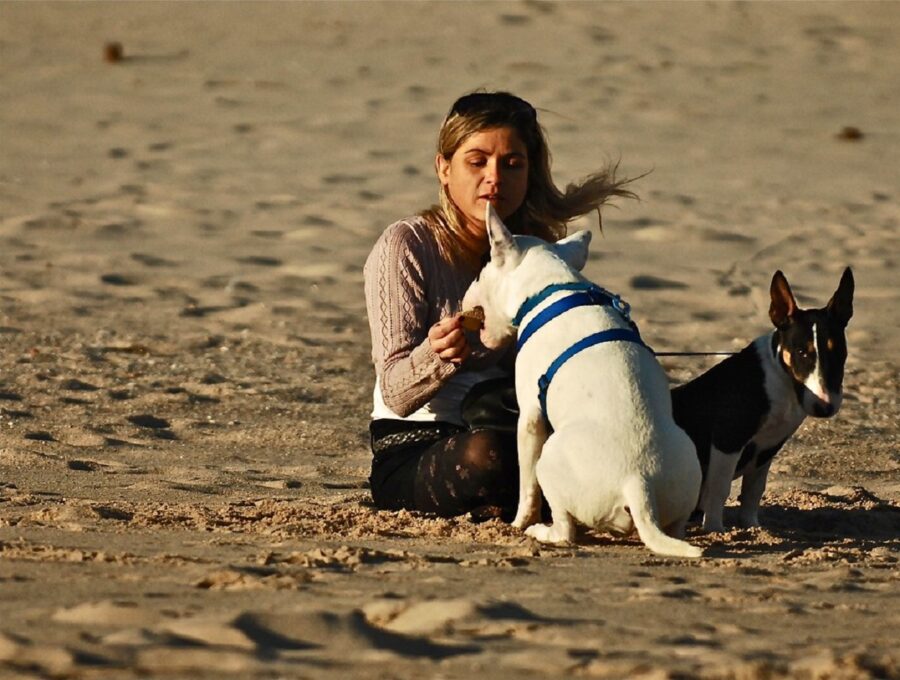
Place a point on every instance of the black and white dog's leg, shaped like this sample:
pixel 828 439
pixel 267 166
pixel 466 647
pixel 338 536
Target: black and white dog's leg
pixel 717 487
pixel 677 529
pixel 753 485
pixel 531 435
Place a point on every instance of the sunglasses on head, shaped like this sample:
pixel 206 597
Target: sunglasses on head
pixel 479 102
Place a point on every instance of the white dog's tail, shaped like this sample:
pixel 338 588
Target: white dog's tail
pixel 643 512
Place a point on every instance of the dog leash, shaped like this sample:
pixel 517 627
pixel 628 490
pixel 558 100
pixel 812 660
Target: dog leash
pixel 584 293
pixel 695 354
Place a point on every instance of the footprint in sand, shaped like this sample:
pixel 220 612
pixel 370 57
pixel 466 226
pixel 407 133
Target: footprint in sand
pixel 119 228
pixel 344 179
pixel 726 236
pixel 338 633
pixel 42 222
pixel 40 436
pixel 650 282
pixel 316 221
pixel 159 427
pixel 49 660
pixel 84 465
pixel 152 260
pixel 76 385
pixel 211 632
pixel 515 19
pixel 259 261
pixel 601 35
pixel 117 280
pixel 228 102
pixel 106 613
pixel 433 617
pixel 149 421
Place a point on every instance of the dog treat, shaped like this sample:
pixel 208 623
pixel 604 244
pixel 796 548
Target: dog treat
pixel 112 52
pixel 473 319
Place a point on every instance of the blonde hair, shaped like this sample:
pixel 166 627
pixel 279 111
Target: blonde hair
pixel 546 210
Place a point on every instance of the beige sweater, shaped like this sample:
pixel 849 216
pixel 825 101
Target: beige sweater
pixel 409 288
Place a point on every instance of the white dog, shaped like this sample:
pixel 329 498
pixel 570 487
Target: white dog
pixel 606 452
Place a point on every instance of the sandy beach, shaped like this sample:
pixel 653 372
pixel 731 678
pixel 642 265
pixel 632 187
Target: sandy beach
pixel 185 374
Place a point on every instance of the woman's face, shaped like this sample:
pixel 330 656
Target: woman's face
pixel 489 166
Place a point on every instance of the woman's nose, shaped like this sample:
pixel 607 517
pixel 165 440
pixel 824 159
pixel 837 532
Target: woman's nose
pixel 493 173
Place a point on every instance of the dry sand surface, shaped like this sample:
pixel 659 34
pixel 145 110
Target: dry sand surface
pixel 185 377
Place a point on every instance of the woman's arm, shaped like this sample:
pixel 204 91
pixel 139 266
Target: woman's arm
pixel 400 316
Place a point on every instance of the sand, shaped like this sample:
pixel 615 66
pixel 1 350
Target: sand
pixel 185 378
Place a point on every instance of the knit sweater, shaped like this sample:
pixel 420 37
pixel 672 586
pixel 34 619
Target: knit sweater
pixel 409 287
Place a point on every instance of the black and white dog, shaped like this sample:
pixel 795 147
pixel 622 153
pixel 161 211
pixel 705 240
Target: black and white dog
pixel 741 411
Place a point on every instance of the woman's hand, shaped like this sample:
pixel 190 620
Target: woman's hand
pixel 448 340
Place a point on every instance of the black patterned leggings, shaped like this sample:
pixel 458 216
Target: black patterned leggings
pixel 452 472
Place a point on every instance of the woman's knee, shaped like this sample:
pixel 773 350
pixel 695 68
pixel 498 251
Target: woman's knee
pixel 488 452
pixel 468 470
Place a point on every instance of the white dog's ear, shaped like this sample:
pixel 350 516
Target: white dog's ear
pixel 574 249
pixel 501 240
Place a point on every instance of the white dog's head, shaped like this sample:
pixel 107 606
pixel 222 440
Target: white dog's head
pixel 520 266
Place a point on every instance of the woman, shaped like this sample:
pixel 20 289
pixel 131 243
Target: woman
pixel 429 455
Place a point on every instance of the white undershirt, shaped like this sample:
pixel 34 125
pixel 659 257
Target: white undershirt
pixel 445 404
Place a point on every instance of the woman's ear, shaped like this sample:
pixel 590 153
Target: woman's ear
pixel 442 168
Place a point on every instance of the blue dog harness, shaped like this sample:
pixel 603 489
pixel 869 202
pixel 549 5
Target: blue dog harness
pixel 585 294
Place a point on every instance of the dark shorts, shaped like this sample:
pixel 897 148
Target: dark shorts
pixel 397 447
pixel 407 455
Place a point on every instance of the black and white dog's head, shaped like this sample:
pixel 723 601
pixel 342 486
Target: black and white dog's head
pixel 810 343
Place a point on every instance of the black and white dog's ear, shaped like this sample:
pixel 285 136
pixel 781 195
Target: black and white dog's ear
pixel 501 239
pixel 783 306
pixel 840 306
pixel 573 249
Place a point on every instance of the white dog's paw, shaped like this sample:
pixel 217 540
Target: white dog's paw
pixel 526 515
pixel 545 533
pixel 524 521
